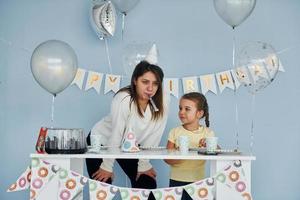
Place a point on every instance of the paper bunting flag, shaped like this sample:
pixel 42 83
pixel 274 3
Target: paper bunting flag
pixel 171 86
pixel 236 80
pixel 190 84
pixel 171 193
pixel 258 71
pixel 242 75
pixel 208 83
pixel 94 80
pixel 22 183
pixel 99 190
pixel 78 80
pixel 202 189
pixel 43 173
pixel 112 82
pixel 129 143
pixel 233 176
pixel 224 80
pixel 134 194
pixel 70 184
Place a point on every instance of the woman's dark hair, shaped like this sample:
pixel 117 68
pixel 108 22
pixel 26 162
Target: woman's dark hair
pixel 201 103
pixel 140 70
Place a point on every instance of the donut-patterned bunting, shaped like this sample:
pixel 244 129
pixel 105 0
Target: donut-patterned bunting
pixel 101 191
pixel 129 143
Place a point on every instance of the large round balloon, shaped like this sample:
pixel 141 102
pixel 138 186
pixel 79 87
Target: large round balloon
pixel 125 6
pixel 54 65
pixel 133 53
pixel 257 65
pixel 234 12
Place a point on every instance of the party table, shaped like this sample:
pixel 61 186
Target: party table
pixel 218 162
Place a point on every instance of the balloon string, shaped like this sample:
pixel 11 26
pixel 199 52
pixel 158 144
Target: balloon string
pixel 123 24
pixel 52 111
pixel 107 53
pixel 235 95
pixel 252 123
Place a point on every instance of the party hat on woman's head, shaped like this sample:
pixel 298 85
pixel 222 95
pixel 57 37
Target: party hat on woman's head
pixel 152 56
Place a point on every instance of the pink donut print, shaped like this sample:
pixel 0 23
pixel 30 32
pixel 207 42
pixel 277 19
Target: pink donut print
pixel 22 182
pixel 37 183
pixel 65 195
pixel 240 186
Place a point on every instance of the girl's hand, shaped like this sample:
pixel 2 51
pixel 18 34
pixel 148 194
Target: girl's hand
pixel 202 143
pixel 102 175
pixel 151 172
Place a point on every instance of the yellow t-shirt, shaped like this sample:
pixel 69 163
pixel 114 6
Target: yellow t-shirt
pixel 189 170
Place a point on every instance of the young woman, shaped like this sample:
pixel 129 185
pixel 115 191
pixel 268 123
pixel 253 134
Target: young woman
pixel 192 107
pixel 131 107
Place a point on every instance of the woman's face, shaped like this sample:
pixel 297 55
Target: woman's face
pixel 146 86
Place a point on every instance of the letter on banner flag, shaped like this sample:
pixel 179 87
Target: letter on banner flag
pixel 78 80
pixel 234 177
pixel 236 80
pixel 168 193
pixel 22 183
pixel 94 80
pixel 100 190
pixel 190 84
pixel 242 75
pixel 201 189
pixel 257 71
pixel 134 193
pixel 224 80
pixel 112 82
pixel 171 86
pixel 42 173
pixel 208 83
pixel 70 184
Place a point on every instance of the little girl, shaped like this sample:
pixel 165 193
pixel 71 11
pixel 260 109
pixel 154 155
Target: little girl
pixel 192 107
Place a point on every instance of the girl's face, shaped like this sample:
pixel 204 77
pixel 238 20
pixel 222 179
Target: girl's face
pixel 188 112
pixel 146 86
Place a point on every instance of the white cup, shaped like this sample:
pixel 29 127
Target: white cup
pixel 183 142
pixel 211 144
pixel 96 141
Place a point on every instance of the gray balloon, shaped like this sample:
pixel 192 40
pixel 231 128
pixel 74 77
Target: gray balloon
pixel 54 65
pixel 234 12
pixel 125 6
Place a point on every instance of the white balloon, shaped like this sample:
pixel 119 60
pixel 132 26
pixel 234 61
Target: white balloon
pixel 125 6
pixel 54 65
pixel 234 12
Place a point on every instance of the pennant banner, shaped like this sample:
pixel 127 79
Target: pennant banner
pixel 208 83
pixel 190 84
pixel 202 189
pixel 168 193
pixel 78 80
pixel 22 183
pixel 134 194
pixel 233 176
pixel 70 184
pixel 99 190
pixel 94 80
pixel 225 80
pixel 171 86
pixel 112 83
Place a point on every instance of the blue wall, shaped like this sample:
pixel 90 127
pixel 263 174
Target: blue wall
pixel 189 35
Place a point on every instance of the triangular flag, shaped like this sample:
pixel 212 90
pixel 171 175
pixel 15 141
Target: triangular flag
pixel 152 56
pixel 236 80
pixel 190 84
pixel 171 86
pixel 208 83
pixel 94 80
pixel 224 80
pixel 168 193
pixel 112 82
pixel 43 172
pixel 202 189
pixel 22 183
pixel 100 190
pixel 78 80
pixel 70 184
pixel 134 193
pixel 233 176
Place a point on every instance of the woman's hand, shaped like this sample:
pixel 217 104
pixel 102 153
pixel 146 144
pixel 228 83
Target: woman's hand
pixel 202 143
pixel 102 175
pixel 151 172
